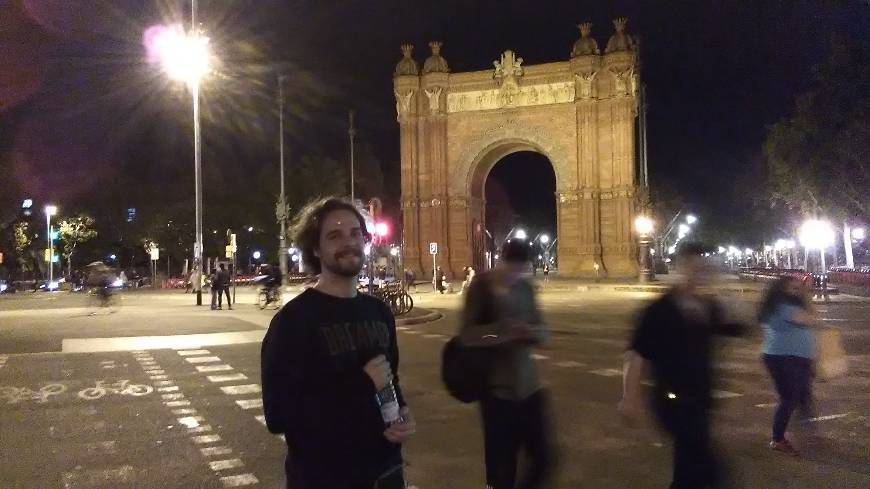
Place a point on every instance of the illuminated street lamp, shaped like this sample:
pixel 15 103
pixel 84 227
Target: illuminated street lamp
pixel 545 239
pixel 50 210
pixel 691 219
pixel 184 56
pixel 817 234
pixel 521 234
pixel 644 227
pixel 859 234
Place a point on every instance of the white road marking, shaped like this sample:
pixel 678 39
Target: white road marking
pixel 163 383
pixel 173 388
pixel 402 328
pixel 261 419
pixel 828 417
pixel 213 368
pixel 717 394
pixel 237 390
pixel 172 397
pixel 536 356
pixel 607 372
pixel 202 359
pixel 106 362
pixel 239 480
pixel 232 463
pixel 190 421
pixel 766 405
pixel 199 429
pixel 108 367
pixel 97 478
pixel 103 447
pixel 214 451
pixel 158 377
pixel 227 378
pixel 433 336
pixel 179 412
pixel 250 403
pixel 185 353
pixel 411 331
pixel 181 403
pixel 203 439
pixel 155 371
pixel 569 364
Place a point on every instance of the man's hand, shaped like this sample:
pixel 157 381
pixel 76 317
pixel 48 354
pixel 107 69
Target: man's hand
pixel 378 369
pixel 630 409
pixel 400 432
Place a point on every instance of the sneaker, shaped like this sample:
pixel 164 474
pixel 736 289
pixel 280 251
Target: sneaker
pixel 783 446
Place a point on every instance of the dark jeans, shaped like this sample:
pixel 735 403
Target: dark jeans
pixel 221 291
pixel 792 377
pixel 695 462
pixel 508 427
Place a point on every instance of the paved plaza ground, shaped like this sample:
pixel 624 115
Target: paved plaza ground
pixel 161 393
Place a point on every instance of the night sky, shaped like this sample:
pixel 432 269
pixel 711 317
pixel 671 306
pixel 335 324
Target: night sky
pixel 78 101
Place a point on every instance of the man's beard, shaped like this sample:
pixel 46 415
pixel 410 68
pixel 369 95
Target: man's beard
pixel 342 264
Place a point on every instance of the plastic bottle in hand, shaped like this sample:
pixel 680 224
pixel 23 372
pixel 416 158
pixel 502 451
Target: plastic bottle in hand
pixel 389 405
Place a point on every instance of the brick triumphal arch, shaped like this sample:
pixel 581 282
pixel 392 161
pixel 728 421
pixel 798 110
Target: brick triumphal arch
pixel 580 114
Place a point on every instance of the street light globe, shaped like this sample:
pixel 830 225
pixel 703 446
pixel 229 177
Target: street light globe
pixel 250 228
pixel 643 225
pixel 721 250
pixel 748 251
pixel 858 234
pixel 546 239
pixel 183 56
pixel 816 234
pixel 684 229
pixel 691 219
pixel 672 249
pixel 520 234
pixel 51 210
pixel 257 255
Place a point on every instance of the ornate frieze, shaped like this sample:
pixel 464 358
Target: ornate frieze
pixel 403 104
pixel 547 94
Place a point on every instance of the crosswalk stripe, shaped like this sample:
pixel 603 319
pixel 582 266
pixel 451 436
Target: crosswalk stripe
pixel 237 390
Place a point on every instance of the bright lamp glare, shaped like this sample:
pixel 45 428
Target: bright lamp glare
pixel 50 210
pixel 520 234
pixel 546 239
pixel 381 229
pixel 643 225
pixel 257 255
pixel 816 234
pixel 183 56
pixel 691 219
pixel 684 229
pixel 859 234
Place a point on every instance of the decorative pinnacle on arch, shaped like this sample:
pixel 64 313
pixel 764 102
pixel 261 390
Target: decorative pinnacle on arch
pixel 619 24
pixel 585 45
pixel 585 29
pixel 435 46
pixel 407 49
pixel 407 65
pixel 435 63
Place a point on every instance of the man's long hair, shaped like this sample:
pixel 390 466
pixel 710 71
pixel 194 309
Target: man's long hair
pixel 775 295
pixel 309 223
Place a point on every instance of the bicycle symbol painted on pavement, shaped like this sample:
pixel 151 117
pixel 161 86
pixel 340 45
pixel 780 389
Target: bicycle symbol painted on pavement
pixel 14 395
pixel 122 387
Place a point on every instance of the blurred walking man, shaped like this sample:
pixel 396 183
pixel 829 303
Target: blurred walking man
pixel 675 336
pixel 330 366
pixel 501 315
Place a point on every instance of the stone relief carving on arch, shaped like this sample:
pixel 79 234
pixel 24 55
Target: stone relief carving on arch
pixel 434 97
pixel 403 104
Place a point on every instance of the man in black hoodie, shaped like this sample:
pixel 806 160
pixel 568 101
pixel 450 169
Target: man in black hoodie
pixel 326 357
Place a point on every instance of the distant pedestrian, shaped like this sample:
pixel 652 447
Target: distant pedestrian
pixel 546 273
pixel 788 352
pixel 439 280
pixel 675 335
pixel 223 283
pixel 215 289
pixel 330 365
pixel 410 280
pixel 501 316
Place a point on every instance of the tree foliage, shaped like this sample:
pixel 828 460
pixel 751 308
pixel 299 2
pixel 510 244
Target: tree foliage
pixel 818 157
pixel 74 231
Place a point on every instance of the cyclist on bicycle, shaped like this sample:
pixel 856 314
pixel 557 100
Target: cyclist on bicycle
pixel 272 282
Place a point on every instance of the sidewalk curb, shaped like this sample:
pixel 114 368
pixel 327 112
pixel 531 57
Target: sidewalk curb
pixel 428 318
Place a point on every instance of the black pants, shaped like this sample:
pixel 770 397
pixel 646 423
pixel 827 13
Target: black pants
pixel 221 291
pixel 695 462
pixel 508 427
pixel 792 377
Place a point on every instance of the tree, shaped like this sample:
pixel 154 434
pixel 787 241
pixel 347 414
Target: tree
pixel 817 157
pixel 23 242
pixel 74 231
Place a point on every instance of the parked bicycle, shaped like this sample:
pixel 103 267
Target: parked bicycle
pixel 394 296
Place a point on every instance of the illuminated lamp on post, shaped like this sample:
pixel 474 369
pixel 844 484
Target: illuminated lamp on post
pixel 644 227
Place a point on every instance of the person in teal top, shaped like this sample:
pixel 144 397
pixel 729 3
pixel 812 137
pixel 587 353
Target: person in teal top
pixel 788 353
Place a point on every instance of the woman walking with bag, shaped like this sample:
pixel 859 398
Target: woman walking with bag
pixel 788 353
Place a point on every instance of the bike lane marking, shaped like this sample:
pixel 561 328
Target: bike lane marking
pixel 200 433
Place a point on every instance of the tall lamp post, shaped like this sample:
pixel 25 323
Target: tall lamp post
pixel 282 202
pixel 644 227
pixel 185 57
pixel 50 210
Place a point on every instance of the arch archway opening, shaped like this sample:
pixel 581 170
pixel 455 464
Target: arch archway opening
pixel 519 191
